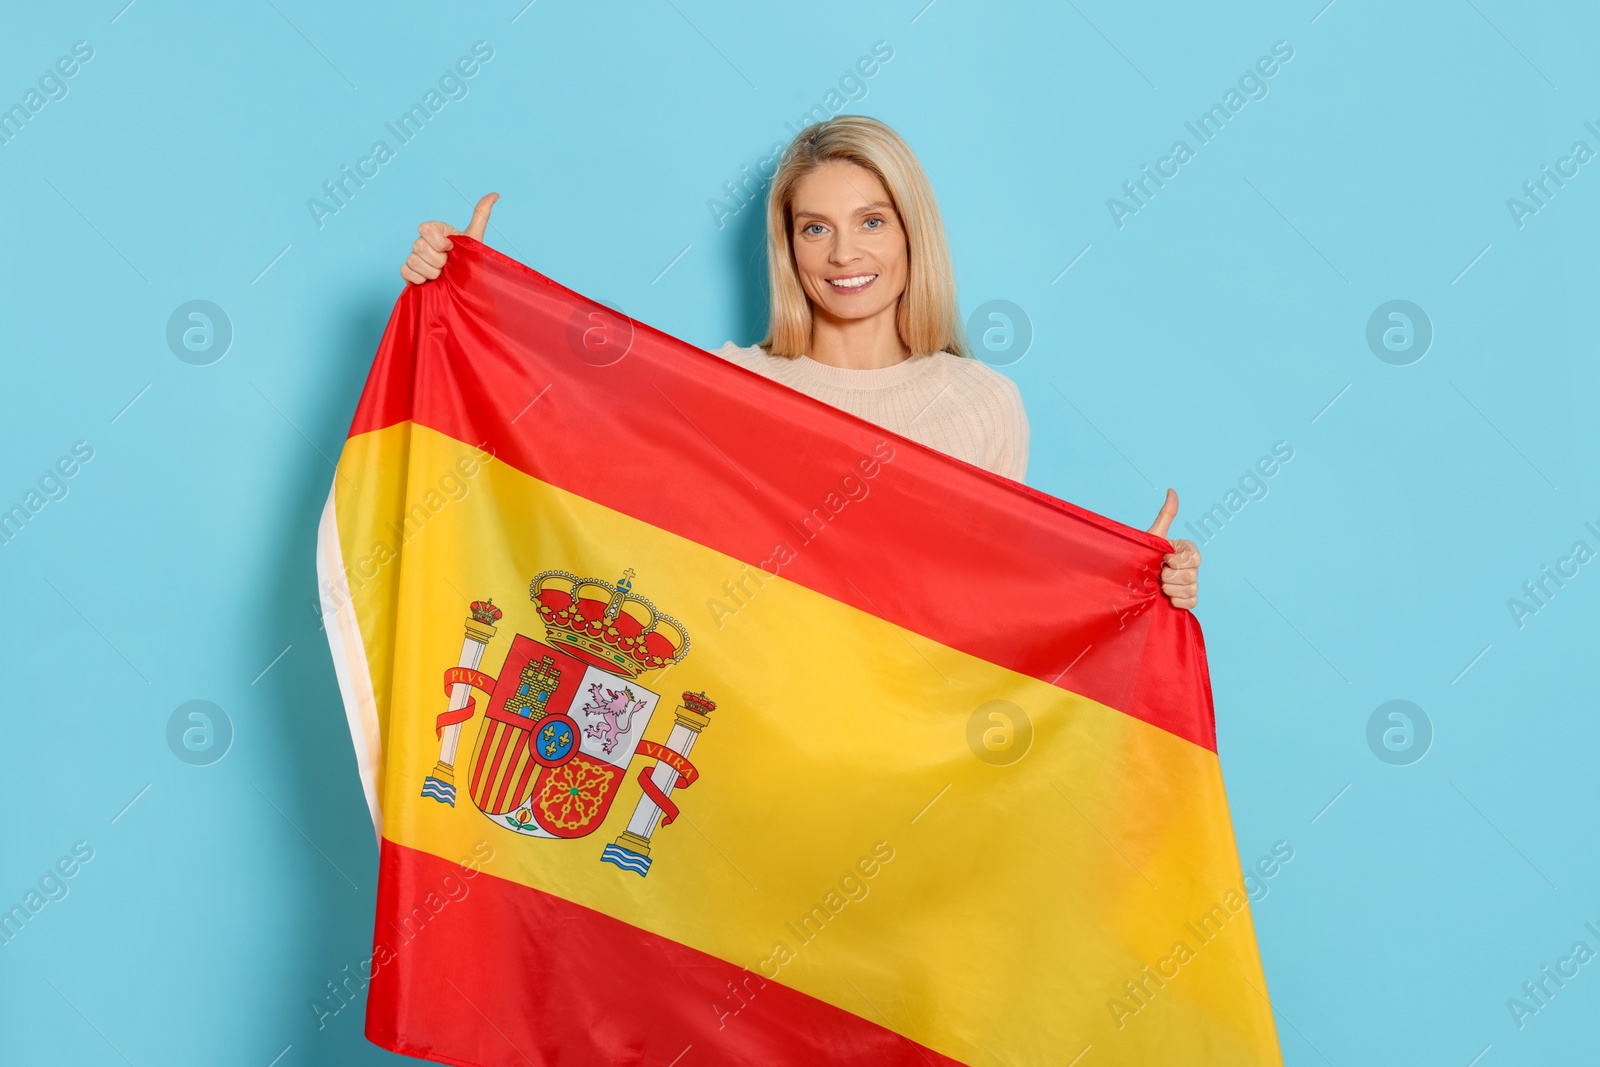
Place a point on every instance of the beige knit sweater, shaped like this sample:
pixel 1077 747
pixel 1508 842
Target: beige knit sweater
pixel 960 406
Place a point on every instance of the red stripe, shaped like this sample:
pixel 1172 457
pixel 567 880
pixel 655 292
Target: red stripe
pixel 481 985
pixel 690 443
pixel 497 768
pixel 510 769
pixel 529 767
pixel 491 730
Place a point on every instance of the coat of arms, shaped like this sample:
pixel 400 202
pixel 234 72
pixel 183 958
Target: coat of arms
pixel 567 715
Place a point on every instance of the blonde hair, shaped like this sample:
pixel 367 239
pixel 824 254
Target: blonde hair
pixel 928 318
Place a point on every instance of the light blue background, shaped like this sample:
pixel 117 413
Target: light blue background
pixel 1223 317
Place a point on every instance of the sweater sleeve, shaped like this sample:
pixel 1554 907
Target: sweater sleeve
pixel 1018 435
pixel 1011 446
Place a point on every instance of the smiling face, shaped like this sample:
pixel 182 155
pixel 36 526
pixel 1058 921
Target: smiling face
pixel 849 244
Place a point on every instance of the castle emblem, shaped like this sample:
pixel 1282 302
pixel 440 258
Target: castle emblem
pixel 567 716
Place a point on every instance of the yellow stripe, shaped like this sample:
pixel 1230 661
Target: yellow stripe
pixel 1015 901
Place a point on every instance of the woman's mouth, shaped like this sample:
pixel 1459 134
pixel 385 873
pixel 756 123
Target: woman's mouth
pixel 855 283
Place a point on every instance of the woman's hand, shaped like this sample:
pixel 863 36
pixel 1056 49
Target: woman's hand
pixel 433 243
pixel 1180 570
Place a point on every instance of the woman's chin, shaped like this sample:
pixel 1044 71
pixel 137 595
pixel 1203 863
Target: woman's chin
pixel 850 312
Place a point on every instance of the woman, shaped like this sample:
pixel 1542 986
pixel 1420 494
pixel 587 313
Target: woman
pixel 863 308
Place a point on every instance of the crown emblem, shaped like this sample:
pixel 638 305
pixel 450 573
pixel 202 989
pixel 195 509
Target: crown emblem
pixel 699 702
pixel 485 611
pixel 609 624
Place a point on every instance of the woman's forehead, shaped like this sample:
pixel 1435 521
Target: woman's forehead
pixel 840 186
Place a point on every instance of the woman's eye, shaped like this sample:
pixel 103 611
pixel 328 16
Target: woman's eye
pixel 877 220
pixel 809 228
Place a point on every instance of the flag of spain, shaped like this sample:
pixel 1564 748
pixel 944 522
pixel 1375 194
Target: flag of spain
pixel 705 723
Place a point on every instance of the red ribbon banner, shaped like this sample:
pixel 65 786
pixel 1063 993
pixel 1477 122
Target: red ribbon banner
pixel 686 776
pixel 457 676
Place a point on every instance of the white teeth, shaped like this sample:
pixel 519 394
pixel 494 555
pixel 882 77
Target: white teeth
pixel 853 283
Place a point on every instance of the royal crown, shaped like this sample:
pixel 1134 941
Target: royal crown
pixel 610 624
pixel 699 702
pixel 485 611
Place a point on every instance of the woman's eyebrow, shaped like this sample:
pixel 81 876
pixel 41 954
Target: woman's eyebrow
pixel 878 206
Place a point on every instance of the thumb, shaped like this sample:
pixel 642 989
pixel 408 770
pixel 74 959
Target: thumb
pixel 480 217
pixel 1169 511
